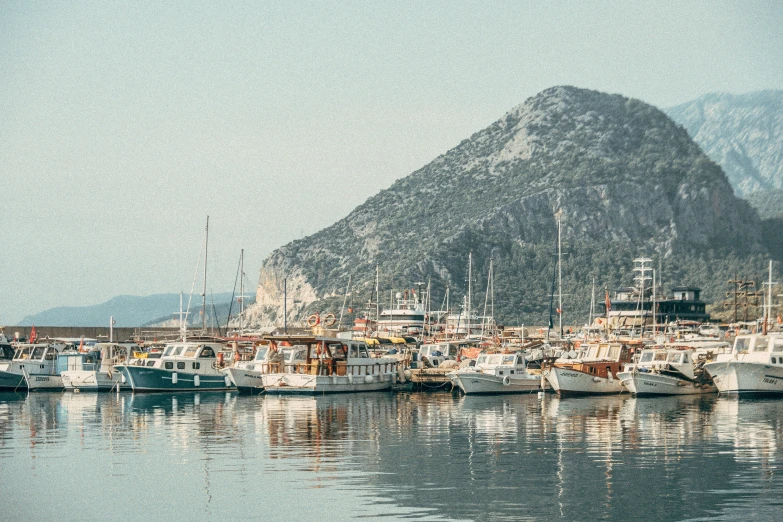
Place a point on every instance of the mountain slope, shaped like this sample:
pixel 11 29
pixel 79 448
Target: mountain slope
pixel 626 179
pixel 743 133
pixel 128 311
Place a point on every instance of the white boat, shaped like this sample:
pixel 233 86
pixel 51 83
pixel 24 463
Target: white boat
pixel 407 317
pixel 95 370
pixel 496 373
pixel 755 365
pixel 667 372
pixel 335 366
pixel 33 367
pixel 272 358
pixel 592 372
pixel 191 365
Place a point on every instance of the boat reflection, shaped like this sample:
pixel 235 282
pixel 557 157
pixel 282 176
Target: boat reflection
pixel 438 454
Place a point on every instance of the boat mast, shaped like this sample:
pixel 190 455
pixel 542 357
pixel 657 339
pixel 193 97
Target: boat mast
pixel 486 300
pixel 345 300
pixel 592 305
pixel 377 295
pixel 204 292
pixel 559 276
pixel 470 292
pixel 654 307
pixel 241 293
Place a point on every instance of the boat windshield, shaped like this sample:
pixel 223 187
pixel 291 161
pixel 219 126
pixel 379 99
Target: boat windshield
pixel 660 356
pixel 494 359
pixel 741 344
pixel 191 351
pixel 614 352
pixel 675 357
pixel 777 344
pixel 261 352
pixel 482 359
pixel 38 352
pixel 760 345
pixel 509 359
pixel 22 353
pixel 647 356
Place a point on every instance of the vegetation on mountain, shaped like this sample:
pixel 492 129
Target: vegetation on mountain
pixel 626 180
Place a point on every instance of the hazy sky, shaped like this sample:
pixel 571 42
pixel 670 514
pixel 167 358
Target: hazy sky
pixel 124 124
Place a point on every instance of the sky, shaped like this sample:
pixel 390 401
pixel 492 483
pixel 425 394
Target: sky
pixel 124 124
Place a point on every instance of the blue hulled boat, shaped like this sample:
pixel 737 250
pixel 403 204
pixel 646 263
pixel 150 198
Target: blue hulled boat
pixel 192 365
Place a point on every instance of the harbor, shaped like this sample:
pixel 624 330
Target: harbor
pixel 404 455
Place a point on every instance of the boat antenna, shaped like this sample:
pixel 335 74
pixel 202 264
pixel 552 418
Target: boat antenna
pixel 234 291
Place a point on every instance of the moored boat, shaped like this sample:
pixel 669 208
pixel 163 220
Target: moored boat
pixel 33 367
pixel 95 370
pixel 334 366
pixel 273 357
pixel 677 371
pixel 755 365
pixel 191 365
pixel 496 373
pixel 592 372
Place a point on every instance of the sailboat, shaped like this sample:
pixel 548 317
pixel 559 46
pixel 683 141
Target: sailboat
pixel 189 364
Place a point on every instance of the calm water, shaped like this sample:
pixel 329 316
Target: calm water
pixel 432 456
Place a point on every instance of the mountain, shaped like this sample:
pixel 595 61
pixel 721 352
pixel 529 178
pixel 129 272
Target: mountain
pixel 128 311
pixel 743 133
pixel 625 178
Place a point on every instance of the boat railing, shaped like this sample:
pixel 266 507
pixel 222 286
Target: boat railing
pixel 342 368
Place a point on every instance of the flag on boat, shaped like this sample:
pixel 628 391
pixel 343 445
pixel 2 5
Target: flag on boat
pixel 559 311
pixel 608 302
pixel 33 335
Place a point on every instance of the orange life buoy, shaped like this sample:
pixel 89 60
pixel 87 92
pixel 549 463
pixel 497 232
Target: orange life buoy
pixel 329 320
pixel 313 320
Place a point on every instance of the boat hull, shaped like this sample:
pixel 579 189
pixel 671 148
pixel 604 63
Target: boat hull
pixel 746 377
pixel 567 382
pixel 304 384
pixel 148 379
pixel 246 381
pixel 12 381
pixel 474 383
pixel 644 384
pixel 84 380
pixel 44 382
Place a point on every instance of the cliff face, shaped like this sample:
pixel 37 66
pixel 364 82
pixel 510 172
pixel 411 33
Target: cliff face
pixel 625 178
pixel 742 133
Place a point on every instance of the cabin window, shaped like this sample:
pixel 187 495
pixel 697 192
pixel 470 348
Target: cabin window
pixel 647 357
pixel 261 353
pixel 777 344
pixel 190 352
pixel 509 359
pixel 481 359
pixel 512 371
pixel 774 360
pixel 37 353
pixel 196 365
pixel 741 344
pixel 150 363
pixel 177 350
pixel 660 356
pixel 363 351
pixel 760 344
pixel 180 366
pixel 614 351
pixel 169 365
pixel 50 355
pixel 602 352
pixel 207 352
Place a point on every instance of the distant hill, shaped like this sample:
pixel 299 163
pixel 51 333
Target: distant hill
pixel 627 180
pixel 741 132
pixel 128 311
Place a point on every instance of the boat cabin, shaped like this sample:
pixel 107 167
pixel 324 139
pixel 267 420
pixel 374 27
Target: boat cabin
pixel 603 360
pixel 766 349
pixel 501 363
pixel 679 360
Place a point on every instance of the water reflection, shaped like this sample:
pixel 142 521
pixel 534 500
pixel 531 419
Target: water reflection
pixel 405 455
